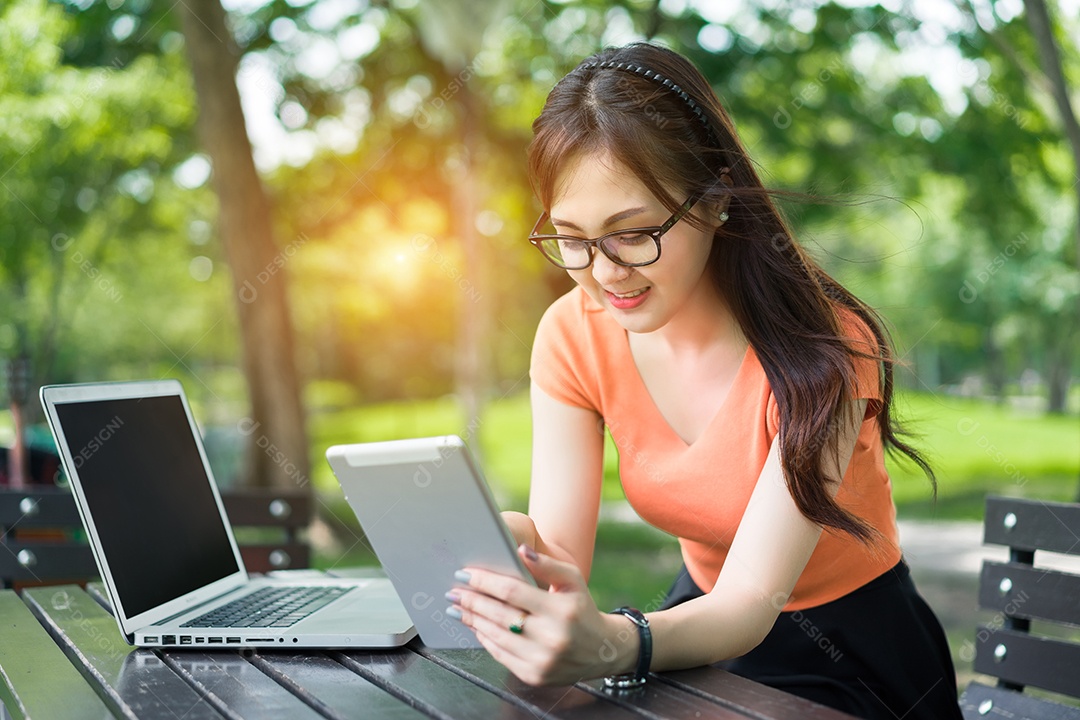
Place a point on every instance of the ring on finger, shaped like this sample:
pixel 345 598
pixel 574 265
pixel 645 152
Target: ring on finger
pixel 518 626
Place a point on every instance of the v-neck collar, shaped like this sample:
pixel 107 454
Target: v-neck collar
pixel 651 406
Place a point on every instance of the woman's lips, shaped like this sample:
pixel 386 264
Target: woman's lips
pixel 628 301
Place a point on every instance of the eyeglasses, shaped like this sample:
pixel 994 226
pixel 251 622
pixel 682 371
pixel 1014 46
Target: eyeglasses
pixel 630 247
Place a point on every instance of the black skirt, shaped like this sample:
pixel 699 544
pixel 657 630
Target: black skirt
pixel 877 652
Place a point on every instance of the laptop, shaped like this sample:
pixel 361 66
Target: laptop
pixel 163 544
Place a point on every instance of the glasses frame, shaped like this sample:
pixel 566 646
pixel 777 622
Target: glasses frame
pixel 591 244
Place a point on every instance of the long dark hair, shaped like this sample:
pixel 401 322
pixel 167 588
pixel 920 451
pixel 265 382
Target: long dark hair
pixel 789 309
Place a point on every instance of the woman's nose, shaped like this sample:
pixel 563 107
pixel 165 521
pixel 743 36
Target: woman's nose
pixel 605 272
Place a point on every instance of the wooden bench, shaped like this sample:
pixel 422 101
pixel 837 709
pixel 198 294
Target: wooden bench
pixel 42 540
pixel 1020 592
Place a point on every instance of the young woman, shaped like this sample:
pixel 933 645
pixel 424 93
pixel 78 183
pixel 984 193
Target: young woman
pixel 749 396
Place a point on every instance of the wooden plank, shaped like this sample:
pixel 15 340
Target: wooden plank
pixel 428 687
pixel 229 681
pixel 1032 525
pixel 981 701
pixel 1025 659
pixel 132 682
pixel 331 688
pixel 1022 591
pixel 746 696
pixel 38 507
pixel 268 508
pixel 69 561
pixel 321 682
pixel 36 679
pixel 479 667
pixel 257 556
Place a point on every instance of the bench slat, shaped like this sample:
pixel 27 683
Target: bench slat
pixel 230 681
pixel 333 688
pixel 1038 525
pixel 133 682
pixel 555 702
pixel 53 561
pixel 49 507
pixel 257 558
pixel 255 507
pixel 428 687
pixel 1033 593
pixel 751 698
pixel 981 701
pixel 36 680
pixel 1029 660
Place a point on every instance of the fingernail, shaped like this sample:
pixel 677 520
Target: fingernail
pixel 529 552
pixel 453 597
pixel 462 576
pixel 453 612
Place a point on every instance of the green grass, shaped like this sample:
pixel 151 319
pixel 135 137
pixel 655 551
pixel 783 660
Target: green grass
pixel 975 447
pixel 978 448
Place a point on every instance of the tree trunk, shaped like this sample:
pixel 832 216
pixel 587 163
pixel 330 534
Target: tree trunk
pixel 278 451
pixel 1057 376
pixel 1039 20
pixel 995 366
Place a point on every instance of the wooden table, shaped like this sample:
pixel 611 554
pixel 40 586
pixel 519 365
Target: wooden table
pixel 62 656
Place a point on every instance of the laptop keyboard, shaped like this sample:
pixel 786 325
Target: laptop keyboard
pixel 269 607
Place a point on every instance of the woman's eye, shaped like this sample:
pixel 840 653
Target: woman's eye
pixel 567 245
pixel 632 239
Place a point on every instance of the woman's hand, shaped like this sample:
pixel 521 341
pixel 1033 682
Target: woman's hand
pixel 563 638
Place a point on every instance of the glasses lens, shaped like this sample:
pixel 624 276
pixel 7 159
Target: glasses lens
pixel 631 248
pixel 566 252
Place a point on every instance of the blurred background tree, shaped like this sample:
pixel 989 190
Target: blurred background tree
pixel 390 137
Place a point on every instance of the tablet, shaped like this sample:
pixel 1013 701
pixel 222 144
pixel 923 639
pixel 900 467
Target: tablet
pixel 427 513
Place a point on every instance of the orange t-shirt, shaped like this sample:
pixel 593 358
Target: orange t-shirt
pixel 699 492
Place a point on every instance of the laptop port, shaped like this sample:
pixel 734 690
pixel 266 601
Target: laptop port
pixel 255 640
pixel 232 639
pixel 199 640
pixel 168 639
pixel 185 639
pixel 214 640
pixel 150 639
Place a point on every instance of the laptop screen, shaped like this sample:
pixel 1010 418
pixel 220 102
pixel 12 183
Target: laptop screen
pixel 149 495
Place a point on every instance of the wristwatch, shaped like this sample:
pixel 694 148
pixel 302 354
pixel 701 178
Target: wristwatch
pixel 636 679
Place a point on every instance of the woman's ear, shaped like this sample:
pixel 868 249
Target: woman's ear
pixel 725 201
pixel 716 212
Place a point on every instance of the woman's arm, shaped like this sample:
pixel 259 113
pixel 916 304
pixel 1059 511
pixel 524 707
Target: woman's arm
pixel 567 470
pixel 567 639
pixel 768 554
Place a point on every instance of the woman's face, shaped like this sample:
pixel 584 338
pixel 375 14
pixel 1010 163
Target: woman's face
pixel 596 195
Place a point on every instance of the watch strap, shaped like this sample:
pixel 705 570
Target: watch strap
pixel 626 681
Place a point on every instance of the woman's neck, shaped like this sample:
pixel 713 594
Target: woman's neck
pixel 704 324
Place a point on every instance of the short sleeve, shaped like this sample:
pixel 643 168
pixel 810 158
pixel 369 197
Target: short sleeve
pixel 868 376
pixel 559 364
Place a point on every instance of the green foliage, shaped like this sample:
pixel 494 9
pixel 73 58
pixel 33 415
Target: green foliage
pixel 951 208
pixel 94 254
